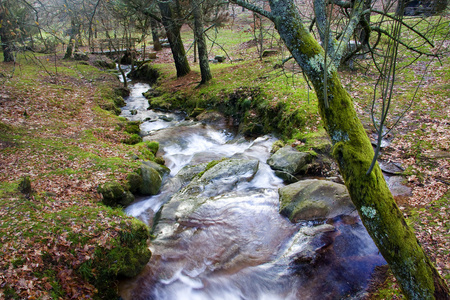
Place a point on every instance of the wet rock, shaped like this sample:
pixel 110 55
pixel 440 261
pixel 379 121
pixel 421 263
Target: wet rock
pixel 289 160
pixel 151 180
pixel 162 170
pixel 314 200
pixel 216 179
pixel 212 118
pixel 115 195
pixel 308 241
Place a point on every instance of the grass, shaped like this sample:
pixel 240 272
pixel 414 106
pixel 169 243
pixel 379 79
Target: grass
pixel 54 131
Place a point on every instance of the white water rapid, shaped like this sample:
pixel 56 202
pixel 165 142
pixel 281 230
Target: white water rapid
pixel 235 244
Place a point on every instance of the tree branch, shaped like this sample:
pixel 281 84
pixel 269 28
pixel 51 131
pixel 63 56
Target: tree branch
pixel 254 8
pixel 385 32
pixel 395 18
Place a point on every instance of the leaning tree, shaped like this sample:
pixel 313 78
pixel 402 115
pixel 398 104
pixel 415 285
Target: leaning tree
pixel 352 149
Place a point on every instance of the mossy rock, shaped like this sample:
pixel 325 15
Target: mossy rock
pixel 110 106
pixel 114 194
pixel 125 257
pixel 161 169
pixel 145 72
pixel 134 181
pixel 289 160
pixel 133 139
pixel 119 101
pixel 153 146
pixel 104 63
pixel 151 181
pixel 133 127
pixel 313 199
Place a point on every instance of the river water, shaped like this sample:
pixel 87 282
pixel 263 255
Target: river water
pixel 236 245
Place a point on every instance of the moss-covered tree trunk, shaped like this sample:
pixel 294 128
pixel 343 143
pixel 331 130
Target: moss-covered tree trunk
pixel 417 276
pixel 201 44
pixel 174 37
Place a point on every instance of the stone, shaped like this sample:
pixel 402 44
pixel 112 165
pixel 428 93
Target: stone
pixel 289 160
pixel 220 58
pixel 145 72
pixel 269 52
pixel 313 199
pixel 134 181
pixel 115 195
pixel 151 181
pixel 162 170
pixel 80 56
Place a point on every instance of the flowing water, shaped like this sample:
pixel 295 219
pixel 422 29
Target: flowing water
pixel 236 245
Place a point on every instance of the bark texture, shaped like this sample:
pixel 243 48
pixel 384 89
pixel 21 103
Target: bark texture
pixel 417 276
pixel 155 36
pixel 174 37
pixel 6 39
pixel 200 39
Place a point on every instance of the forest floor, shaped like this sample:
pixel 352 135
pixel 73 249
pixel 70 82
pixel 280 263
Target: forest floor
pixel 53 130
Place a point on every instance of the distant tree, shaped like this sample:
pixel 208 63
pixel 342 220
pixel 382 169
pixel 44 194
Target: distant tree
pixel 172 19
pixel 200 41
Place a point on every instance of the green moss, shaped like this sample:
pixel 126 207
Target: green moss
pixel 132 127
pixel 153 146
pixel 133 139
pixel 126 257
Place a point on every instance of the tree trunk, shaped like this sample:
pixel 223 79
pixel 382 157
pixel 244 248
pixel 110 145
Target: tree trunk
pixel 5 37
pixel 69 50
pixel 417 276
pixel 200 39
pixel 8 54
pixel 174 37
pixel 155 36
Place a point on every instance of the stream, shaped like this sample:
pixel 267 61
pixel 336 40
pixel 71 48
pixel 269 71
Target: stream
pixel 230 241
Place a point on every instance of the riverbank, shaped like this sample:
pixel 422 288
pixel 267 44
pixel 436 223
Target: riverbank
pixel 58 129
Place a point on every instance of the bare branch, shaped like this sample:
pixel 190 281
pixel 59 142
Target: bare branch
pixel 254 8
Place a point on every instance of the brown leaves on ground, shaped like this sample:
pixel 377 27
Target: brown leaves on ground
pixel 52 130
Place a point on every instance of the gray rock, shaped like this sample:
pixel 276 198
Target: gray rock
pixel 218 179
pixel 313 199
pixel 289 160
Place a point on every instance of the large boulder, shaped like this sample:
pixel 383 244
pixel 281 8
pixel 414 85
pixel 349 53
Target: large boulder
pixel 219 177
pixel 288 162
pixel 314 199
